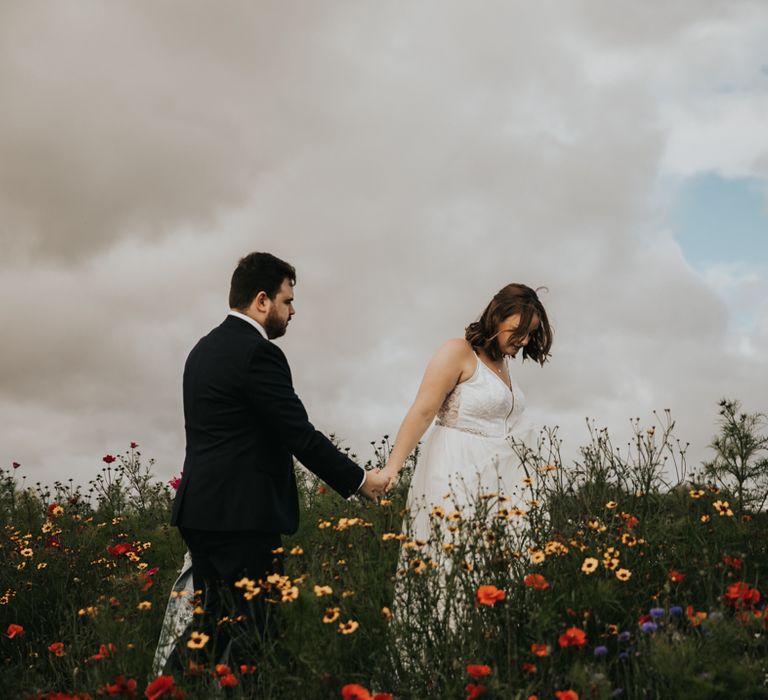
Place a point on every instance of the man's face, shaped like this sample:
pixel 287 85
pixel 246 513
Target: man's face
pixel 280 311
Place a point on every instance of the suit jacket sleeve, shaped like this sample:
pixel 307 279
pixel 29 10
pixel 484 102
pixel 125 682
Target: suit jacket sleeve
pixel 270 387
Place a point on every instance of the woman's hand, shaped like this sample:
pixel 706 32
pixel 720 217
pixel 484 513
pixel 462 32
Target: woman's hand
pixel 392 473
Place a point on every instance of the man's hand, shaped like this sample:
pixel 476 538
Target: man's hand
pixel 375 485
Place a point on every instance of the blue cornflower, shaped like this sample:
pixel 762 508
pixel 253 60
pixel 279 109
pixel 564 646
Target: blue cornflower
pixel 624 656
pixel 600 651
pixel 624 636
pixel 657 612
pixel 676 611
pixel 649 627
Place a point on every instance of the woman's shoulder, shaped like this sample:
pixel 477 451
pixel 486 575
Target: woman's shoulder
pixel 456 352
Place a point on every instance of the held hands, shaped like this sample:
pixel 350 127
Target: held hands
pixel 392 474
pixel 375 484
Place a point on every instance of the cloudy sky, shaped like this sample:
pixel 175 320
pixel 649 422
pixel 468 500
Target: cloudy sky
pixel 410 158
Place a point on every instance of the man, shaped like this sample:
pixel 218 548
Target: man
pixel 244 422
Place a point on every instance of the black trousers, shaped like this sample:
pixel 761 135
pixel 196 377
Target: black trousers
pixel 219 560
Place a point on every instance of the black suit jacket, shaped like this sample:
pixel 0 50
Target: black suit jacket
pixel 243 422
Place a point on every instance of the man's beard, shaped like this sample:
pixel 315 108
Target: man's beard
pixel 274 326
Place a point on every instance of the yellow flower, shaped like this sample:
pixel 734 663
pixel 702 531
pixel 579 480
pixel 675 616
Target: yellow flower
pixel 142 565
pixel 278 550
pixel 347 594
pixel 449 547
pixel 623 574
pixel 454 516
pixel 536 556
pixel 629 540
pixel 324 524
pixel 47 526
pixel 290 594
pixel 331 615
pixel 589 565
pixel 527 481
pixel 612 629
pixel 90 611
pixel 417 566
pixel 610 563
pixel 198 610
pixel 723 507
pixel 26 552
pixel 296 551
pixel 593 524
pixel 555 547
pixel 41 565
pixel 438 512
pixel 388 536
pixel 348 627
pixel 320 591
pixel 144 605
pixel 386 613
pixel 197 640
pixel 245 582
pixel 385 502
pixel 611 504
pixel 697 493
pixel 704 518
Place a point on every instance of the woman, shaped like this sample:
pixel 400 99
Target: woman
pixel 468 388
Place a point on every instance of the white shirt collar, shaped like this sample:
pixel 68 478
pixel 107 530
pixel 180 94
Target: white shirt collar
pixel 248 319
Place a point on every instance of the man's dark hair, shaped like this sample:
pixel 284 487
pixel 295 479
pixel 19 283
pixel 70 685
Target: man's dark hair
pixel 258 272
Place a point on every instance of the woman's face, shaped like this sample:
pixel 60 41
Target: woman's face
pixel 508 337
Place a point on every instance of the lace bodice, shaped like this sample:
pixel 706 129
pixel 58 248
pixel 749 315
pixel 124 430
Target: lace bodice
pixel 482 405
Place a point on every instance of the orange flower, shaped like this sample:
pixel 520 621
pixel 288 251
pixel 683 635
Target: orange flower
pixel 536 581
pixel 475 691
pixel 566 695
pixel 573 637
pixel 57 648
pixel 540 649
pixel 353 691
pixel 478 670
pixel 222 669
pixel 489 595
pixel 14 630
pixel 104 652
pixel 163 686
pixel 740 595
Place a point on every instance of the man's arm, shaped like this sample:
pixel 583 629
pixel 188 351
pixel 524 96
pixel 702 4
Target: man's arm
pixel 271 390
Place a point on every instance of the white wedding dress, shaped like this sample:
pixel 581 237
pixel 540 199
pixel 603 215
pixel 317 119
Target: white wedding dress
pixel 470 450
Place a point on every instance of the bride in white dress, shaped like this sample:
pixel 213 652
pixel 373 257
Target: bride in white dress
pixel 477 405
pixel 467 387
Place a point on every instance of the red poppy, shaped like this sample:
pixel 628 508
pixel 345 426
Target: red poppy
pixel 490 595
pixel 14 630
pixel 383 696
pixel 175 483
pixel 244 668
pixel 676 577
pixel 740 595
pixel 105 651
pixel 227 681
pixel 353 691
pixel 536 581
pixel 122 687
pixel 134 445
pixel 478 670
pixel 566 695
pixel 733 562
pixel 53 542
pixel 109 459
pixel 529 668
pixel 163 686
pixel 629 522
pixel 475 691
pixel 540 649
pixel 57 648
pixel 117 550
pixel 573 637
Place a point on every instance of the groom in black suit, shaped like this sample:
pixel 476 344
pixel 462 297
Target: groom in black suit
pixel 244 424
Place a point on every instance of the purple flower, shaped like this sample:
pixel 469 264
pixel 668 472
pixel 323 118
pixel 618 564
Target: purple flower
pixel 624 636
pixel 600 651
pixel 624 656
pixel 676 611
pixel 649 627
pixel 657 612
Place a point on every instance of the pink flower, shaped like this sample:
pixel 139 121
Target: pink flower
pixel 108 459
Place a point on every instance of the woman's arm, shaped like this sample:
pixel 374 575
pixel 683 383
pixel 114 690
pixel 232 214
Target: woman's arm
pixel 453 362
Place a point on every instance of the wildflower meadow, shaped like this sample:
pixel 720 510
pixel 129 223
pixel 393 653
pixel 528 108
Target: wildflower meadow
pixel 626 573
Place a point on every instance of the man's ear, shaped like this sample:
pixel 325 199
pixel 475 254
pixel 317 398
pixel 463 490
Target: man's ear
pixel 261 301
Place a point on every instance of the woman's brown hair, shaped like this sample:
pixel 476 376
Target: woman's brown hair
pixel 509 300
